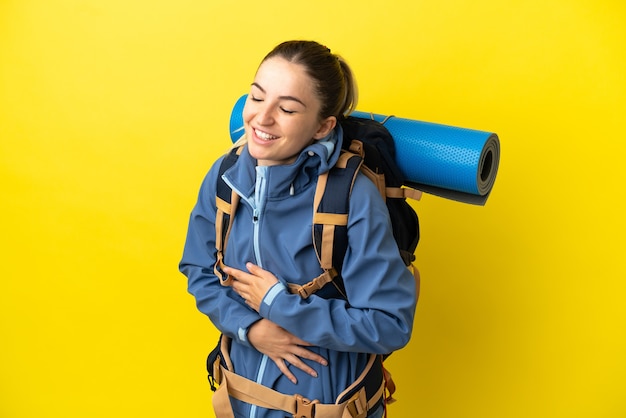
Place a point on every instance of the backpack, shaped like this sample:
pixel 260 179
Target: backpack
pixel 368 147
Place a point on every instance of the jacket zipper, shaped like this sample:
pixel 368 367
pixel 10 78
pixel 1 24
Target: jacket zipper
pixel 256 203
pixel 259 201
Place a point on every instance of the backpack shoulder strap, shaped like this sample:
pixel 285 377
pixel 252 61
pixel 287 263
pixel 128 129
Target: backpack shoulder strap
pixel 330 223
pixel 226 201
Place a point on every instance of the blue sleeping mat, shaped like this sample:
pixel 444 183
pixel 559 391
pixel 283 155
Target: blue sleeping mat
pixel 454 163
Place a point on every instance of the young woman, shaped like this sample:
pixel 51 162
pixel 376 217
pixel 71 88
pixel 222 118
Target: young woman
pixel 315 347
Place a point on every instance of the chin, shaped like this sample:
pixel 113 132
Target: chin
pixel 254 151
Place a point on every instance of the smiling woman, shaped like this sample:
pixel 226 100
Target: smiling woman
pixel 289 349
pixel 299 90
pixel 281 116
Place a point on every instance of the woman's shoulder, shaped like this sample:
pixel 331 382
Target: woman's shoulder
pixel 364 188
pixel 366 201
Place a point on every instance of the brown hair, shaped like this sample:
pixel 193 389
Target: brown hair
pixel 335 84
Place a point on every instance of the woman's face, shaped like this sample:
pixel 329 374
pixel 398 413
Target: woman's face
pixel 281 114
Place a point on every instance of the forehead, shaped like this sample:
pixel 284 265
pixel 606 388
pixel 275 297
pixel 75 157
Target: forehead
pixel 278 76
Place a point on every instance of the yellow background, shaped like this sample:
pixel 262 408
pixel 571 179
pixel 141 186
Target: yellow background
pixel 112 111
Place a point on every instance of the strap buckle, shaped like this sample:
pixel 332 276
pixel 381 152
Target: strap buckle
pixel 305 408
pixel 357 404
pixel 314 285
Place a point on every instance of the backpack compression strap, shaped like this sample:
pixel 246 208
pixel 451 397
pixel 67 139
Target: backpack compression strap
pixel 378 179
pixel 226 201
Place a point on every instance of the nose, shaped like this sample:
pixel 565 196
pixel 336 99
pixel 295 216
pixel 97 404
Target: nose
pixel 264 115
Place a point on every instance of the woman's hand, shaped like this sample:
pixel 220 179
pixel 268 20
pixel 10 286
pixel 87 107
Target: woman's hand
pixel 270 339
pixel 282 346
pixel 252 285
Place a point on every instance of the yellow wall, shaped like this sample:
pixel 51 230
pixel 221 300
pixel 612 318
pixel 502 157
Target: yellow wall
pixel 112 111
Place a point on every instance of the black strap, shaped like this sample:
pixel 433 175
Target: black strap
pixel 223 189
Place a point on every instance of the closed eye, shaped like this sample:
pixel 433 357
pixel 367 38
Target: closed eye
pixel 286 97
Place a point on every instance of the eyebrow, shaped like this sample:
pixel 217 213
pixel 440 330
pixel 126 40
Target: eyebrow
pixel 295 99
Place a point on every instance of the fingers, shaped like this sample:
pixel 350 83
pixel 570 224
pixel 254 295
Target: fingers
pixel 285 370
pixel 238 275
pixel 310 355
pixel 295 355
pixel 295 361
pixel 257 271
pixel 253 270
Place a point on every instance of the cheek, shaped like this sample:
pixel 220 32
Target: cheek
pixel 246 114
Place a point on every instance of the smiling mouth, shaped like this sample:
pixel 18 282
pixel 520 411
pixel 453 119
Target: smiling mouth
pixel 264 135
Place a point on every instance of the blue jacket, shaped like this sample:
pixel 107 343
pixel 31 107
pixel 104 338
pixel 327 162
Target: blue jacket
pixel 272 229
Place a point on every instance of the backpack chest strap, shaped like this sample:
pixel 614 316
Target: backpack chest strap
pixel 314 285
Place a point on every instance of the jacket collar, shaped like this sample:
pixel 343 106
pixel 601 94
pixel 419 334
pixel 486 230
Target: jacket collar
pixel 283 180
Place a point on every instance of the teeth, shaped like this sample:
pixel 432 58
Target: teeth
pixel 264 135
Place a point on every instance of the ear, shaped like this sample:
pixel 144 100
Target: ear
pixel 326 126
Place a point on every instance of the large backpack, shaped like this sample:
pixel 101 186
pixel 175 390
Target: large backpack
pixel 368 147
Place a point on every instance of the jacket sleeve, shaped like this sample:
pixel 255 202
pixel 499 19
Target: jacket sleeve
pixel 381 291
pixel 221 304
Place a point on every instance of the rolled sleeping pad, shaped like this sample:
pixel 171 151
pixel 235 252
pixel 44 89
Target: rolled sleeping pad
pixel 447 161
